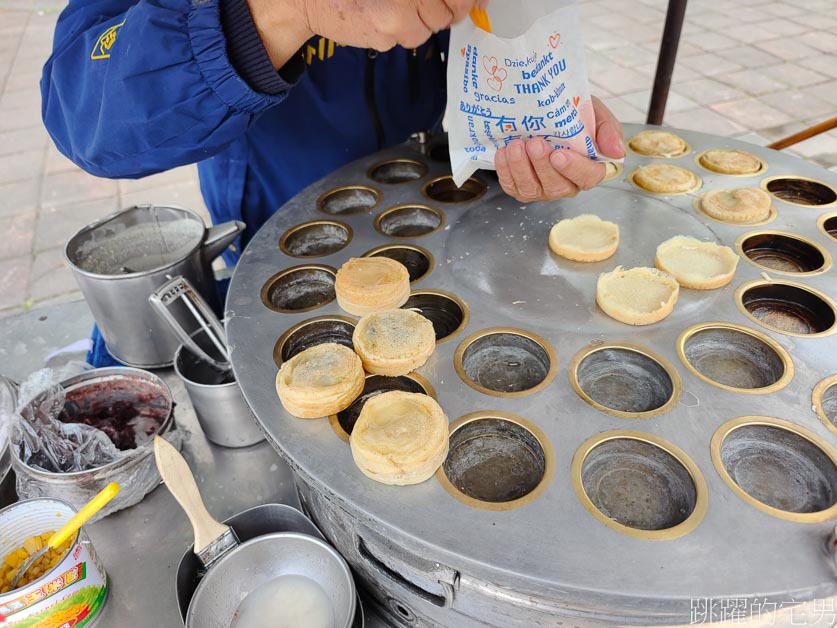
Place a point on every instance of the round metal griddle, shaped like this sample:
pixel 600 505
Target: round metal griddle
pixel 607 482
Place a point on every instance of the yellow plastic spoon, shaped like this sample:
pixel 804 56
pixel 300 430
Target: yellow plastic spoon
pixel 69 528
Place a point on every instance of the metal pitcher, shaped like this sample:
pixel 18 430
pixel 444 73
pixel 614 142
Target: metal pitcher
pixel 120 260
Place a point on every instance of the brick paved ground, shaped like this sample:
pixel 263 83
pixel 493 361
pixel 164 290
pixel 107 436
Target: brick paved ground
pixel 753 69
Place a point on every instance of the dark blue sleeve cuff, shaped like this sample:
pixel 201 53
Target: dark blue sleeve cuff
pixel 248 54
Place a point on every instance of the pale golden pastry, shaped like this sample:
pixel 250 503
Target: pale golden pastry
pixel 739 205
pixel 400 438
pixel 637 296
pixel 320 381
pixel 658 144
pixel 393 342
pixel 585 238
pixel 665 179
pixel 695 264
pixel 730 161
pixel 371 284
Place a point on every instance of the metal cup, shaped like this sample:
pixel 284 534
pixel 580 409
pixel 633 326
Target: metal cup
pixel 223 414
pixel 120 260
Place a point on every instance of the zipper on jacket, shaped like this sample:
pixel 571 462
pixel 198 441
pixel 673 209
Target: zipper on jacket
pixel 371 104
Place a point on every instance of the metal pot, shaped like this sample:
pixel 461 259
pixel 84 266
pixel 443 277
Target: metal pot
pixel 120 260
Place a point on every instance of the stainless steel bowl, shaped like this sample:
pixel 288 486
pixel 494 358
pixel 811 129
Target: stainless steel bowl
pixel 257 562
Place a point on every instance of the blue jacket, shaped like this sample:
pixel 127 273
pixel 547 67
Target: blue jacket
pixel 135 87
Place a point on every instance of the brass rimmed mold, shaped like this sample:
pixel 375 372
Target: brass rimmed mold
pixel 448 313
pixel 800 191
pixel 824 401
pixel 692 190
pixel 317 238
pixel 418 260
pixel 497 461
pixel 778 467
pixel 613 169
pixel 787 307
pixel 762 166
pixel 344 422
pixel 395 171
pixel 827 223
pixel 782 252
pixel 505 362
pixel 412 220
pixel 771 216
pixel 735 358
pixel 349 200
pixel 312 332
pixel 299 288
pixel 625 380
pixel 444 190
pixel 639 484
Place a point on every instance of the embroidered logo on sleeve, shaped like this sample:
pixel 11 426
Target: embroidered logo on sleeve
pixel 105 42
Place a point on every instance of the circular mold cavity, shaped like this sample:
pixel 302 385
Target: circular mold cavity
pixel 396 171
pixel 800 191
pixel 496 461
pixel 440 153
pixel 639 485
pixel 313 332
pixel 299 289
pixel 344 422
pixel 787 308
pixel 824 400
pixel 613 169
pixel 418 261
pixel 444 190
pixel 735 358
pixel 349 200
pixel 778 467
pixel 828 225
pixel 448 313
pixel 409 221
pixel 625 380
pixel 784 253
pixel 505 362
pixel 315 239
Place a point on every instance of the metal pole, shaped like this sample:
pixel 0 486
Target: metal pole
pixel 665 62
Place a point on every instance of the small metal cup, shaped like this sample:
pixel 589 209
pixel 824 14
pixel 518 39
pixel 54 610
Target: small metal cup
pixel 223 414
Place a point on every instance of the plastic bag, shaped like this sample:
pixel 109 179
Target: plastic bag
pixel 525 79
pixel 72 461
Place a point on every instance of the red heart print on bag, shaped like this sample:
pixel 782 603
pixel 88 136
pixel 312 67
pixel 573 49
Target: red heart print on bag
pixel 490 64
pixel 576 100
pixel 554 40
pixel 496 82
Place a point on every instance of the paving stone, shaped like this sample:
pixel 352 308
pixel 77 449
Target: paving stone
pixel 14 118
pixel 175 175
pixel 786 48
pixel 783 9
pixel 21 140
pixel 675 102
pixel 50 276
pixel 21 98
pixel 715 42
pixel 56 162
pixel 821 63
pixel 624 111
pixel 794 74
pixel 825 91
pixel 630 56
pixel 22 80
pixel 751 113
pixel 822 146
pixel 822 41
pixel 784 27
pixel 14 278
pixel 704 120
pixel 753 82
pixel 817 21
pixel 75 186
pixel 19 197
pixel 710 64
pixel 20 166
pixel 800 103
pixel 707 91
pixel 748 33
pixel 54 225
pixel 619 80
pixel 749 57
pixel 17 235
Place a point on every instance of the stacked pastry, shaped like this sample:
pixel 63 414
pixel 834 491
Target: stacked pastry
pixel 371 284
pixel 400 438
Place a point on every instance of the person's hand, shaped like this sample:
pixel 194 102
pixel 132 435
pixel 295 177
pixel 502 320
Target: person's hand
pixel 533 171
pixel 285 25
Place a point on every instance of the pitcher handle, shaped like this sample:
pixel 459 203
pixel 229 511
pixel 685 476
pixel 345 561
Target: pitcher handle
pixel 220 237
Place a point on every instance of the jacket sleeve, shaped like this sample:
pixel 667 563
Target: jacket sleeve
pixel 137 87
